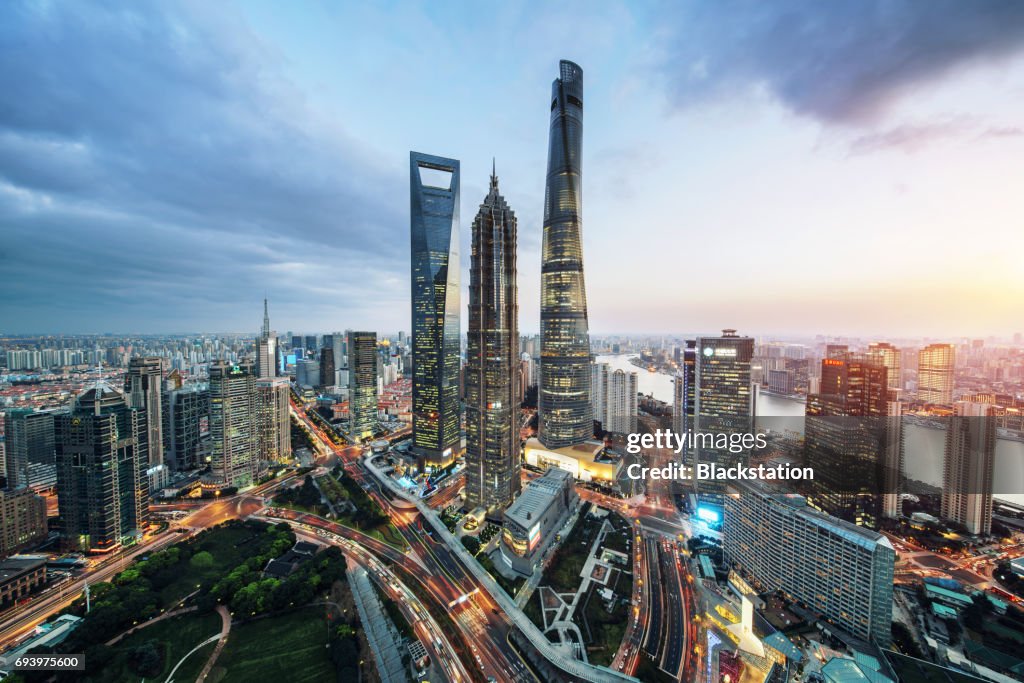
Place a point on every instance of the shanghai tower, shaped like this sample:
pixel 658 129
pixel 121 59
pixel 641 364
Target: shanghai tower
pixel 434 218
pixel 565 413
pixel 492 359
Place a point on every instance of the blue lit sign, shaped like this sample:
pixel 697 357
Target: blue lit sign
pixel 709 515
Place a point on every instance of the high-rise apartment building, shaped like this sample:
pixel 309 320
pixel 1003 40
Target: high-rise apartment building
pixel 266 348
pixel 101 471
pixel 968 467
pixel 362 384
pixel 434 218
pixel 274 427
pixel 29 446
pixel 840 570
pixel 621 402
pixel 22 520
pixel 234 437
pixel 143 387
pixel 566 415
pixel 935 374
pixel 492 359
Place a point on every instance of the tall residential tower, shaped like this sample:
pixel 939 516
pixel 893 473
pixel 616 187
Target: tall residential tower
pixel 566 416
pixel 492 359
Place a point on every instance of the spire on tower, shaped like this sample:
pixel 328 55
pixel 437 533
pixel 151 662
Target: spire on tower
pixel 494 175
pixel 266 320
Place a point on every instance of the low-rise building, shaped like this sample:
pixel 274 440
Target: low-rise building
pixel 19 577
pixel 588 461
pixel 531 523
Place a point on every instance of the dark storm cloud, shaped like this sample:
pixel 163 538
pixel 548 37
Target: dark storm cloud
pixel 152 158
pixel 843 61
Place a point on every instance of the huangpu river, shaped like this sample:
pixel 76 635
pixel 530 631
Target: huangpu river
pixel 922 445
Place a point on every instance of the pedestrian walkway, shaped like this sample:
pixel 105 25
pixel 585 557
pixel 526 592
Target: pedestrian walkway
pixel 225 628
pixel 385 641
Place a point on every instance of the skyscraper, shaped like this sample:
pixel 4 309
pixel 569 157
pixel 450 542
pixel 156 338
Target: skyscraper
pixel 684 390
pixel 29 441
pixel 888 355
pixel 144 390
pixel 851 442
pixel 621 402
pixel 234 439
pixel 434 231
pixel 492 358
pixel 566 416
pixel 327 366
pixel 935 374
pixel 599 393
pixel 266 348
pixel 722 396
pixel 186 425
pixel 839 570
pixel 968 467
pixel 101 470
pixel 274 427
pixel 362 384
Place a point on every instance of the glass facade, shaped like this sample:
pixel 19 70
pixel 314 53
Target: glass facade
pixel 234 439
pixel 362 384
pixel 434 223
pixel 566 416
pixel 101 471
pixel 492 359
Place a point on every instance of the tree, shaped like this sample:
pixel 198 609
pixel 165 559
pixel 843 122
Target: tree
pixel 472 544
pixel 146 660
pixel 202 561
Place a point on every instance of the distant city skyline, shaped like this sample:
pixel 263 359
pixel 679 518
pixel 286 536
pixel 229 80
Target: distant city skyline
pixel 163 169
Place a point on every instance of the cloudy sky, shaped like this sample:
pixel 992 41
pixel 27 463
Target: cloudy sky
pixel 852 167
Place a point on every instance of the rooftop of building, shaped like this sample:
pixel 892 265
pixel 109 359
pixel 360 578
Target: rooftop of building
pixel 853 533
pixel 13 567
pixel 537 497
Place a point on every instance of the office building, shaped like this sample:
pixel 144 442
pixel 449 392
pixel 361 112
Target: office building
pixel 327 367
pixel 853 440
pixel 274 427
pixel 621 402
pixel 566 416
pixel 307 372
pixel 935 374
pixel 186 427
pixel 22 520
pixel 492 359
pixel 968 467
pixel 434 214
pixel 234 437
pixel 684 389
pixel 266 348
pixel 102 460
pixel 143 388
pixel 533 521
pixel 723 401
pixel 362 384
pixel 884 353
pixel 599 393
pixel 842 571
pixel 29 445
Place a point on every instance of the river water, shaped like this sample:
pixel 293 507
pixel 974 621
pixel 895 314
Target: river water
pixel 922 446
